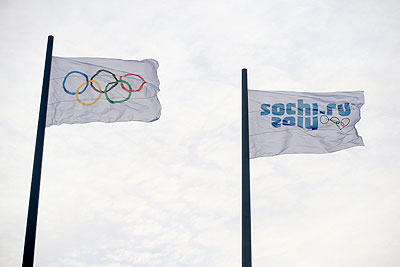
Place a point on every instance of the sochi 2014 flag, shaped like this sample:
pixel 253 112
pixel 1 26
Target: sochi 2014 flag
pixel 86 90
pixel 282 122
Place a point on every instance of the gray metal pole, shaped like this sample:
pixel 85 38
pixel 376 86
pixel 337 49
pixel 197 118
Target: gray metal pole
pixel 246 213
pixel 30 234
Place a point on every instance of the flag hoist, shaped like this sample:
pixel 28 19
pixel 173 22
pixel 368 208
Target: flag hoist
pixel 289 122
pixel 83 90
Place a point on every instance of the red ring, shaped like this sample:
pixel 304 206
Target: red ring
pixel 133 90
pixel 348 121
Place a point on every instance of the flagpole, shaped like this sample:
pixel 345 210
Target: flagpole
pixel 30 234
pixel 246 213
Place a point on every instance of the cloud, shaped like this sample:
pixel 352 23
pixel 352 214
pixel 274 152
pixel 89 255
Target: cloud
pixel 168 193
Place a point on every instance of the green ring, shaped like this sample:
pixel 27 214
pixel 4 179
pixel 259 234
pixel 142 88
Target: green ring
pixel 120 101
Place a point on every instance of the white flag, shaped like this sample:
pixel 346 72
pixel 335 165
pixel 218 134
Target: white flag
pixel 86 90
pixel 283 122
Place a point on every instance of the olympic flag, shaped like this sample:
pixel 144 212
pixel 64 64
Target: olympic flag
pixel 82 90
pixel 284 122
pixel 86 90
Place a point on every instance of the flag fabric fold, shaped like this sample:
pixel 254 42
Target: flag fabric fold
pixel 285 122
pixel 107 90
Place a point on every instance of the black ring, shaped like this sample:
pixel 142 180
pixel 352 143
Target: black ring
pixel 98 72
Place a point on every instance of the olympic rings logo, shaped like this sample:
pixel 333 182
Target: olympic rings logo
pixel 97 88
pixel 334 121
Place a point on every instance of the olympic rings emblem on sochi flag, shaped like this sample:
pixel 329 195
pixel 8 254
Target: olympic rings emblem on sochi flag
pixel 107 89
pixel 334 121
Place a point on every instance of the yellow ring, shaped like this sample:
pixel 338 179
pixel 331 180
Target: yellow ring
pixel 329 121
pixel 83 84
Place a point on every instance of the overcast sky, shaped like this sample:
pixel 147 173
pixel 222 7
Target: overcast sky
pixel 168 193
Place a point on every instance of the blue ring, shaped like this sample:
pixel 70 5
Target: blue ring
pixel 321 118
pixel 73 93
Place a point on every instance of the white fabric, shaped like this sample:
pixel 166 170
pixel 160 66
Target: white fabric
pixel 142 105
pixel 273 131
